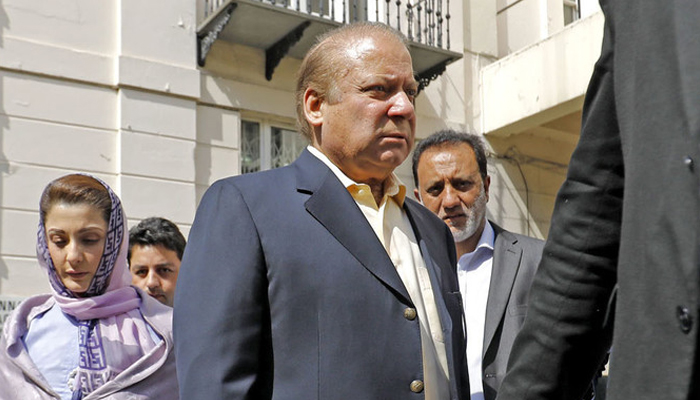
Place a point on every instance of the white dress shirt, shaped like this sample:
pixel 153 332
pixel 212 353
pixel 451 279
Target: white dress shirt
pixel 474 273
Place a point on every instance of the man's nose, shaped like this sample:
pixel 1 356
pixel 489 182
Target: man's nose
pixel 402 105
pixel 450 198
pixel 152 281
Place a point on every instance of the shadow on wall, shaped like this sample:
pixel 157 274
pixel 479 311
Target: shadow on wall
pixel 509 204
pixel 4 126
pixel 448 88
pixel 208 124
pixel 527 174
pixel 433 107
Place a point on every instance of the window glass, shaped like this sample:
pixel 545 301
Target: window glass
pixel 264 146
pixel 286 145
pixel 250 147
pixel 571 11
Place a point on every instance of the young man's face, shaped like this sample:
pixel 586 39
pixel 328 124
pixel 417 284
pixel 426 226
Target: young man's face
pixel 154 269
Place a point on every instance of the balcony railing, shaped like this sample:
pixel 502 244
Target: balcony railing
pixel 289 27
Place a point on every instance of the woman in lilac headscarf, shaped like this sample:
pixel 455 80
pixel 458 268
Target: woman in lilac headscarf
pixel 95 336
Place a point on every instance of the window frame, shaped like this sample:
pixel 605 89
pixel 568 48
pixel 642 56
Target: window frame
pixel 266 123
pixel 575 7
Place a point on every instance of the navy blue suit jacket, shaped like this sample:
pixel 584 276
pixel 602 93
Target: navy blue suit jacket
pixel 285 292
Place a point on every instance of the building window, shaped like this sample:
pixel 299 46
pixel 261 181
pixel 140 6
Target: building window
pixel 250 147
pixel 572 11
pixel 266 145
pixel 321 8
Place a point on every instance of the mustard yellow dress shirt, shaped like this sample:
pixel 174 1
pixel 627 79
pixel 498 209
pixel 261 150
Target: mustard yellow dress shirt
pixel 393 229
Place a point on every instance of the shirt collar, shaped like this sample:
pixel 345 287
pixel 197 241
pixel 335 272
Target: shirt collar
pixel 486 240
pixel 393 187
pixel 487 237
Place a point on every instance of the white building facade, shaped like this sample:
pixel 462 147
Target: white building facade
pixel 145 95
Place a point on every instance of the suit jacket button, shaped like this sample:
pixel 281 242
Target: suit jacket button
pixel 684 318
pixel 417 386
pixel 409 313
pixel 688 162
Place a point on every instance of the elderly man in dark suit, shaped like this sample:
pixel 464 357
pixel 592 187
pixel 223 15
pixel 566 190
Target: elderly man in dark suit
pixel 624 247
pixel 320 280
pixel 495 267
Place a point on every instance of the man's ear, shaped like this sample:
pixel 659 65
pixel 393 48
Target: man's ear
pixel 487 183
pixel 416 193
pixel 313 110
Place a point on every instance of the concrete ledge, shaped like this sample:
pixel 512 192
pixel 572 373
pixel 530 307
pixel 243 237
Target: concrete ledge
pixel 26 56
pixel 159 77
pixel 541 82
pixel 245 96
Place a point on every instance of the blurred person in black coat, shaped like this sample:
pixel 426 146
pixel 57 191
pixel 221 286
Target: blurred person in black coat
pixel 624 246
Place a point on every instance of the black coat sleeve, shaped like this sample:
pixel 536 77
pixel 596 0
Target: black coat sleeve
pixel 563 340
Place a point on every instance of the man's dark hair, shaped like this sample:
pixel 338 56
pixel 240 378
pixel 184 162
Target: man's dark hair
pixel 451 137
pixel 157 231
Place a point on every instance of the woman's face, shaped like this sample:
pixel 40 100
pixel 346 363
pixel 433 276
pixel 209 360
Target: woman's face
pixel 76 238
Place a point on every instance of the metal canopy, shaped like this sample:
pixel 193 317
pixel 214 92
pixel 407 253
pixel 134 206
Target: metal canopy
pixel 282 31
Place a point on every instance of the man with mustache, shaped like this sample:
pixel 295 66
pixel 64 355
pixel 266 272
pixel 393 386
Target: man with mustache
pixel 495 267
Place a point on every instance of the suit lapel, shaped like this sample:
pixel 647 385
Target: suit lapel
pixel 449 317
pixel 423 244
pixel 332 205
pixel 506 261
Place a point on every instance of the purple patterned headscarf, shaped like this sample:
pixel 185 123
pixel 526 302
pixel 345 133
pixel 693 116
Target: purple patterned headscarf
pixel 112 332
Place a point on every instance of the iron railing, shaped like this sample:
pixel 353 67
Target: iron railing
pixel 422 21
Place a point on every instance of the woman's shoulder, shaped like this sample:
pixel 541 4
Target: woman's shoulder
pixel 17 322
pixel 18 374
pixel 37 301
